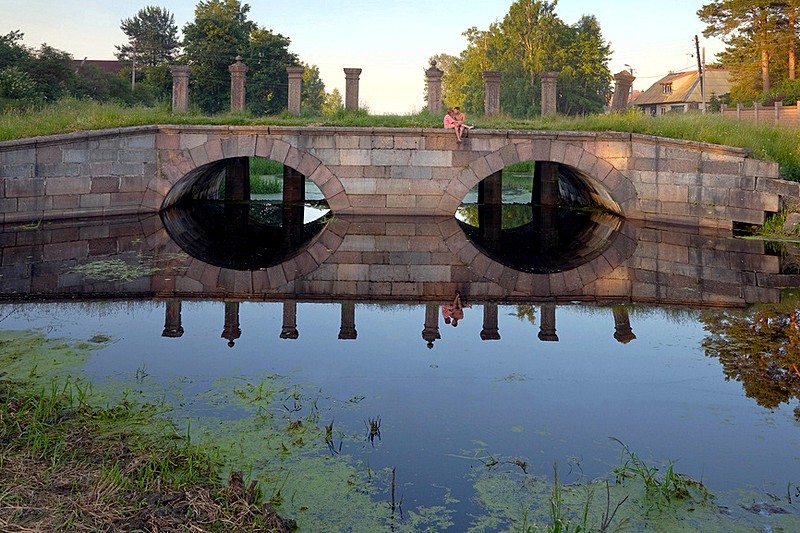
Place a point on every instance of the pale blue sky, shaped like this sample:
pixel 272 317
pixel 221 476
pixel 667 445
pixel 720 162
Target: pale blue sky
pixel 390 40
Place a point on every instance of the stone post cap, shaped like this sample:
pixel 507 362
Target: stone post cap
pixel 238 66
pixel 492 75
pixel 295 71
pixel 549 75
pixel 434 71
pixel 352 72
pixel 180 70
pixel 624 76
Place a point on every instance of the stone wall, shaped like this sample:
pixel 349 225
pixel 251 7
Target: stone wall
pixel 385 171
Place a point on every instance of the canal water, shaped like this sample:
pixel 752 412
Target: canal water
pixel 338 384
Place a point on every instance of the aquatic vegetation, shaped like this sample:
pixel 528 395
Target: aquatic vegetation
pixel 114 270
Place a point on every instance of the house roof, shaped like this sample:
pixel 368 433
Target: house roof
pixel 685 87
pixel 113 66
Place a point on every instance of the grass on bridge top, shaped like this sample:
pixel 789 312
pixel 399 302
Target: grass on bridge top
pixel 780 144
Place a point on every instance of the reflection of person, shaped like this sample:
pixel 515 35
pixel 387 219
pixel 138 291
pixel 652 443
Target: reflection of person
pixel 455 311
pixel 450 124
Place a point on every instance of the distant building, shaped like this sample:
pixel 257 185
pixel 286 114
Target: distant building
pixel 680 91
pixel 109 65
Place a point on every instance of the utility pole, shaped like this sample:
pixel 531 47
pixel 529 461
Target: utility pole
pixel 700 74
pixel 133 67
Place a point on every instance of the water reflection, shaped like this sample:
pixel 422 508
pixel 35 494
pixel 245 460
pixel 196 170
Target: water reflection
pixel 241 236
pixel 539 239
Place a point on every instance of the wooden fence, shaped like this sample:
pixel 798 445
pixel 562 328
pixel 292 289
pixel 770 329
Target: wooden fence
pixel 778 114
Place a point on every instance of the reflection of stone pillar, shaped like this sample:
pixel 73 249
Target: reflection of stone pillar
pixel 295 85
pixel 622 325
pixel 434 77
pixel 238 71
pixel 549 93
pixel 491 102
pixel 430 332
pixel 490 331
pixel 351 76
pixel 180 88
pixel 347 329
pixel 172 320
pixel 545 184
pixel 231 330
pixel 547 327
pixel 490 222
pixel 289 327
pixel 622 90
pixel 237 179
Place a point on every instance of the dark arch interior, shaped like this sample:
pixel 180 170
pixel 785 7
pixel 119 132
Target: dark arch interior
pixel 240 236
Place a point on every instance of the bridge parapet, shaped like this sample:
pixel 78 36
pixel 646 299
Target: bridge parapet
pixel 386 171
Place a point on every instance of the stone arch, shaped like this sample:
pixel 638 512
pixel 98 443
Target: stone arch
pixel 175 179
pixel 607 185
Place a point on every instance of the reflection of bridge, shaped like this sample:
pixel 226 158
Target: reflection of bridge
pixel 490 330
pixel 381 171
pixel 389 259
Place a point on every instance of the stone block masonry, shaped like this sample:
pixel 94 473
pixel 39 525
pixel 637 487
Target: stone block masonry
pixel 386 171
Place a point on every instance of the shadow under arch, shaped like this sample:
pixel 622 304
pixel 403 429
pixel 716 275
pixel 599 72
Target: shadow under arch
pixel 240 236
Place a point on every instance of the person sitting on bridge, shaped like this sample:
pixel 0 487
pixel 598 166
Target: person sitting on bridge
pixel 450 124
pixel 461 122
pixel 454 311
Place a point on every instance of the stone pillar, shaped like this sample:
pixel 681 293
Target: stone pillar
pixel 549 93
pixel 172 320
pixel 351 88
pixel 347 329
pixel 293 208
pixel 238 71
pixel 295 86
pixel 490 331
pixel 289 327
pixel 547 327
pixel 237 179
pixel 491 102
pixel 430 332
pixel 180 88
pixel 623 81
pixel 490 189
pixel 622 325
pixel 545 184
pixel 434 77
pixel 231 331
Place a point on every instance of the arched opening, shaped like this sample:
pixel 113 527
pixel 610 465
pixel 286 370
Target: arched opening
pixel 540 217
pixel 244 213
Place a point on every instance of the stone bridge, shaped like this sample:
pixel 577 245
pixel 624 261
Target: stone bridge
pixel 384 171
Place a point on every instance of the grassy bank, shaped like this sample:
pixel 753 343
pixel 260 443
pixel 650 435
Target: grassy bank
pixel 68 466
pixel 766 142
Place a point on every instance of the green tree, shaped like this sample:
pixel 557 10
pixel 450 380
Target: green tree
pixel 53 72
pixel 312 94
pixel 267 57
pixel 219 33
pixel 155 35
pixel 532 39
pixel 12 52
pixel 757 20
pixel 585 79
pixel 333 102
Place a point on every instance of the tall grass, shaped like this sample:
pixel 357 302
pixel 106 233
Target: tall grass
pixel 775 143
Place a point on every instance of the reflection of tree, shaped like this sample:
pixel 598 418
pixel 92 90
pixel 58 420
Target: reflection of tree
pixel 526 312
pixel 761 349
